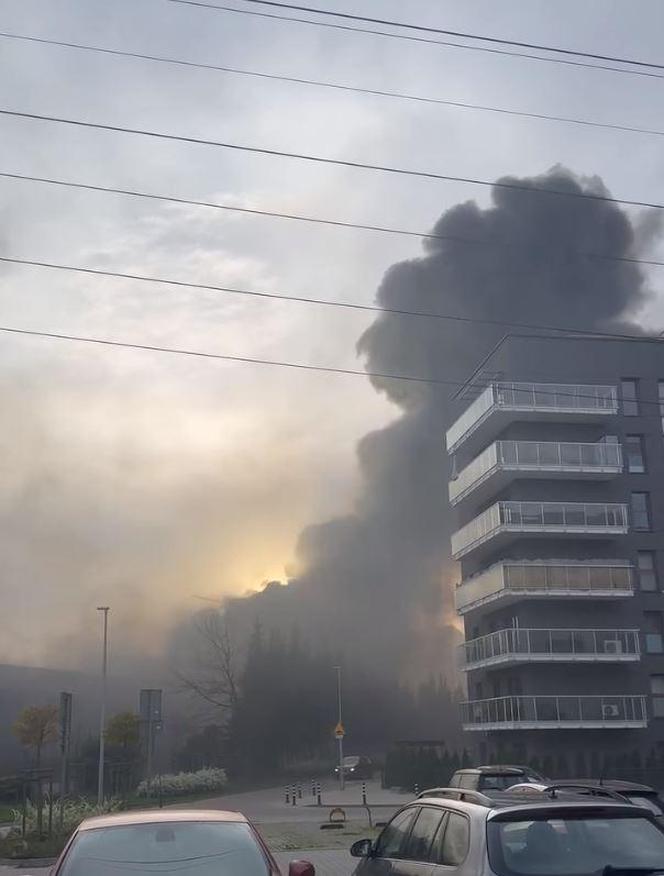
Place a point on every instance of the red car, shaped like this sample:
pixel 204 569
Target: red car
pixel 180 843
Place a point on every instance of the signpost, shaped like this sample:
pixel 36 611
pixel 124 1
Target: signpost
pixel 65 715
pixel 150 701
pixel 339 731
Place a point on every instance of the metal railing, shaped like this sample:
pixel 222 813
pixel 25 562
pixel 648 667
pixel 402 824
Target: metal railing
pixel 555 711
pixel 552 645
pixel 563 397
pixel 537 455
pixel 545 579
pixel 593 517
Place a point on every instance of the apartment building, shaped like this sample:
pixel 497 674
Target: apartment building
pixel 557 460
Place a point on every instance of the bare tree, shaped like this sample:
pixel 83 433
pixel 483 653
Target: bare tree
pixel 214 674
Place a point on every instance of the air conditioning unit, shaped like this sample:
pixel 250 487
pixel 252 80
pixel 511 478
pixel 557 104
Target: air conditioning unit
pixel 613 646
pixel 610 711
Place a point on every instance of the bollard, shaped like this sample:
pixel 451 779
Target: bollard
pixel 318 794
pixel 287 795
pixel 299 791
pixel 313 787
pixel 293 797
pixel 364 793
pixel 417 789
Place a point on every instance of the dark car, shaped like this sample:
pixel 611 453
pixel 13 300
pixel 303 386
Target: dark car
pixel 189 843
pixel 640 795
pixel 356 767
pixel 493 777
pixel 504 836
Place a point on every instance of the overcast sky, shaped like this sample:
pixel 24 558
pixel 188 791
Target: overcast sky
pixel 143 479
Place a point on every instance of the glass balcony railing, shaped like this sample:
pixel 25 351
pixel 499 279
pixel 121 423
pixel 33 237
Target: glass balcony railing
pixel 548 712
pixel 539 456
pixel 554 579
pixel 593 518
pixel 545 397
pixel 550 646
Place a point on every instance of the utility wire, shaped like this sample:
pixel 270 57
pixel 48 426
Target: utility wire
pixel 338 86
pixel 346 305
pixel 417 39
pixel 336 162
pixel 337 223
pixel 454 33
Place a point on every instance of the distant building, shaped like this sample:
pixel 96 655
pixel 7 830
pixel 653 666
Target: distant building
pixel 558 461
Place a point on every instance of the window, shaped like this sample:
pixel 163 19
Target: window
pixel 392 840
pixel 657 691
pixel 630 397
pixel 653 632
pixel 645 561
pixel 469 781
pixel 660 395
pixel 640 511
pixel 451 847
pixel 423 833
pixel 634 456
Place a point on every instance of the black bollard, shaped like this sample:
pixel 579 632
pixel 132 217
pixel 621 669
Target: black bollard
pixel 364 793
pixel 313 787
pixel 293 797
pixel 299 791
pixel 287 795
pixel 318 794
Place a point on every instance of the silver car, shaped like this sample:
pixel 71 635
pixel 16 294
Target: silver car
pixel 511 836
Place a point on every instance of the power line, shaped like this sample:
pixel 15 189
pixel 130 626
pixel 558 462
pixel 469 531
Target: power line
pixel 337 86
pixel 336 223
pixel 417 39
pixel 335 162
pixel 453 33
pixel 346 305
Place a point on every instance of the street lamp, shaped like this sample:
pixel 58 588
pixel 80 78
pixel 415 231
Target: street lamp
pixel 104 609
pixel 339 732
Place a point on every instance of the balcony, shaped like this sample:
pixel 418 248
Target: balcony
pixel 511 646
pixel 504 521
pixel 496 466
pixel 501 403
pixel 545 579
pixel 555 713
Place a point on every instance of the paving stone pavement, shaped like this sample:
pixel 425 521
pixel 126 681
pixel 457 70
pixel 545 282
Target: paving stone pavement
pixel 328 862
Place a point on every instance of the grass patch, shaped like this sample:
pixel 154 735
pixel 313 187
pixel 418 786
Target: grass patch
pixel 17 848
pixel 6 813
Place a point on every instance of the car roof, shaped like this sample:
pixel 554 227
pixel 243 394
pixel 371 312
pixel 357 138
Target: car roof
pixel 473 802
pixel 613 784
pixel 496 769
pixel 160 816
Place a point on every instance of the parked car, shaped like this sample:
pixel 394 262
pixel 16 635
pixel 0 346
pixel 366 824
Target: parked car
pixel 356 767
pixel 639 795
pixel 504 836
pixel 494 777
pixel 189 843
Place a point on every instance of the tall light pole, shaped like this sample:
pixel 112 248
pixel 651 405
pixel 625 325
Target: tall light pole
pixel 104 609
pixel 340 730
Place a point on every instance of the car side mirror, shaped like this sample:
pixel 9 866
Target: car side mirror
pixel 362 849
pixel 301 868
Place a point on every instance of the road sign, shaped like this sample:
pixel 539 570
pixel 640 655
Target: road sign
pixel 339 731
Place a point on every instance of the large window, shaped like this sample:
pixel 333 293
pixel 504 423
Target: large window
pixel 630 397
pixel 634 455
pixel 392 841
pixel 653 632
pixel 640 507
pixel 657 691
pixel 422 834
pixel 645 561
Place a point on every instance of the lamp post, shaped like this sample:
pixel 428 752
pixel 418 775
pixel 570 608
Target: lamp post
pixel 340 730
pixel 104 609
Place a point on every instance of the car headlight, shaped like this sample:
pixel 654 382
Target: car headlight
pixel 352 769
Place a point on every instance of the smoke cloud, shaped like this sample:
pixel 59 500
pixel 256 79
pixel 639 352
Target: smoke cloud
pixel 377 584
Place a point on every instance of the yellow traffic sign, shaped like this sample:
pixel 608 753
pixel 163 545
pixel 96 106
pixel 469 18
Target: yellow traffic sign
pixel 339 731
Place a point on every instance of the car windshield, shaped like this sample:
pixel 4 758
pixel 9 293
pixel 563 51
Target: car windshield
pixel 574 845
pixel 351 761
pixel 498 782
pixel 184 848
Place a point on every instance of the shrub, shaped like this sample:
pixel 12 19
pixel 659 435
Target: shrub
pixel 179 784
pixel 75 811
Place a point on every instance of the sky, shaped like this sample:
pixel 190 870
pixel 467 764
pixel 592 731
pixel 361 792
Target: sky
pixel 147 480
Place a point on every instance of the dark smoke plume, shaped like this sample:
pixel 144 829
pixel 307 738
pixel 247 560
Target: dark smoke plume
pixel 378 582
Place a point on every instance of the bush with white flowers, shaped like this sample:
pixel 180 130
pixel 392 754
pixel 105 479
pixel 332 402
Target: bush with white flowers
pixel 180 784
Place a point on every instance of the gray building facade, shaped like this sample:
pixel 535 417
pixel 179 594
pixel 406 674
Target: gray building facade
pixel 558 486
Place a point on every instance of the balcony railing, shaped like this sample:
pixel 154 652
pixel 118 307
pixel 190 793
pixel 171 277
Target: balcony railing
pixel 550 646
pixel 538 456
pixel 542 579
pixel 591 518
pixel 555 712
pixel 545 397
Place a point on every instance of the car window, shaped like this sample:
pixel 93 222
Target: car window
pixel 581 845
pixel 468 781
pixel 423 833
pixel 392 841
pixel 498 783
pixel 201 848
pixel 454 781
pixel 452 840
